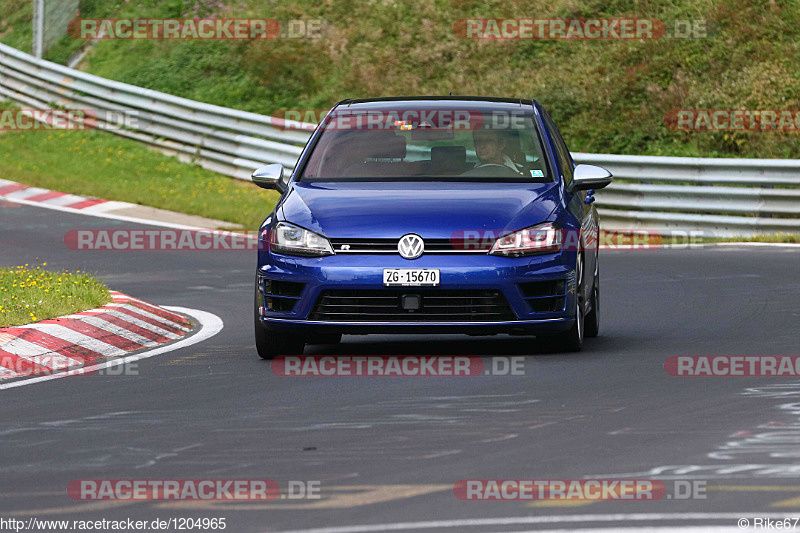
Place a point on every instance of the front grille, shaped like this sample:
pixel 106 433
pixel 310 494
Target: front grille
pixel 284 305
pixel 389 246
pixel 438 305
pixel 539 289
pixel 545 296
pixel 281 296
pixel 283 288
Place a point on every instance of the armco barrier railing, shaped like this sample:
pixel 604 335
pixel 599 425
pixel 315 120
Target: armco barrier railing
pixel 225 140
pixel 721 196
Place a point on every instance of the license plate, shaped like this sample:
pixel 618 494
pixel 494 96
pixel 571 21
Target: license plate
pixel 410 277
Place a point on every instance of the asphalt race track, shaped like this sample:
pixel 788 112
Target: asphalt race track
pixel 388 450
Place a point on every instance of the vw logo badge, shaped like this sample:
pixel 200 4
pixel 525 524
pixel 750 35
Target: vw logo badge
pixel 410 246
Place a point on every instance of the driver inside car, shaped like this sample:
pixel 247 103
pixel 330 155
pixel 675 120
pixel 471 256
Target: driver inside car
pixel 490 148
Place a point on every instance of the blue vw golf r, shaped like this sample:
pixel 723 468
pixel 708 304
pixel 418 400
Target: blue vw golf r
pixel 430 214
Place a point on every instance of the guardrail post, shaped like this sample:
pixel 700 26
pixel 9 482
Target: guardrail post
pixel 38 28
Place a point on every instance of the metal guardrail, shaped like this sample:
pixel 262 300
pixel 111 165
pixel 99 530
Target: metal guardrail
pixel 725 197
pixel 225 140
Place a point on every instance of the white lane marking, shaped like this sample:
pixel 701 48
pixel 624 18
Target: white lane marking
pixel 517 520
pixel 79 339
pixel 210 325
pixel 500 439
pixel 713 471
pixel 119 331
pixel 684 529
pixel 442 453
pixel 142 324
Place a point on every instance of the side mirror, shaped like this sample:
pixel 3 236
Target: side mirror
pixel 587 177
pixel 270 177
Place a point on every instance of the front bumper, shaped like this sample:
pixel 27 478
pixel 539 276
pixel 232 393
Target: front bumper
pixel 507 276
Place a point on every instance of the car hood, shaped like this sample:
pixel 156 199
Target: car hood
pixel 434 210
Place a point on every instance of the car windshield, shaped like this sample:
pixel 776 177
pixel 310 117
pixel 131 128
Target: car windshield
pixel 429 145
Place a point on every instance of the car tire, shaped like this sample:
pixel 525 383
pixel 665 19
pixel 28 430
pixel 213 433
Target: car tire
pixel 572 339
pixel 592 325
pixel 269 344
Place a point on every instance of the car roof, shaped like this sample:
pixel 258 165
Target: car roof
pixel 438 102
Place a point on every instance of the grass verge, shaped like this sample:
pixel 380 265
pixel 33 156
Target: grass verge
pixel 30 294
pixel 786 238
pixel 658 239
pixel 99 164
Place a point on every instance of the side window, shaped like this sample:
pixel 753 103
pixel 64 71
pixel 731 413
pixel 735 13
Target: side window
pixel 562 152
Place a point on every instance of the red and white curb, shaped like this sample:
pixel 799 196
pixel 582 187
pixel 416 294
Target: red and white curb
pixel 74 342
pixel 13 191
pixel 18 193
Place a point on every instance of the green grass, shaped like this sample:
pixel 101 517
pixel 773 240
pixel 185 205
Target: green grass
pixel 667 238
pixel 30 294
pixel 788 238
pixel 15 24
pixel 606 96
pixel 106 166
pixel 16 27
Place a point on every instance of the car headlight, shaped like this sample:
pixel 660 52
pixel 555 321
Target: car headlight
pixel 540 239
pixel 293 240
